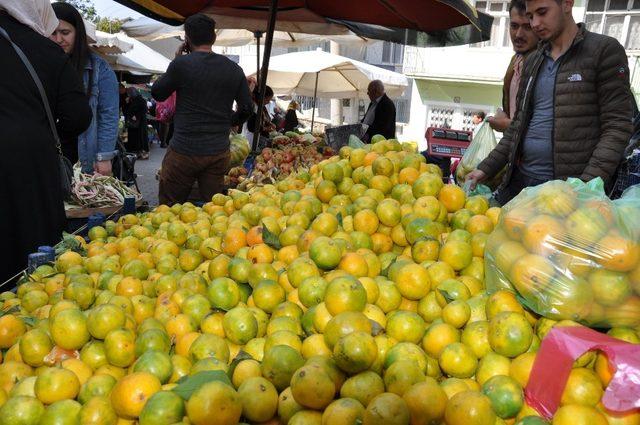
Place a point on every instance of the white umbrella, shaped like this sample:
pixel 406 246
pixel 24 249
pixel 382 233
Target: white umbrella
pixel 322 74
pixel 105 43
pixel 141 59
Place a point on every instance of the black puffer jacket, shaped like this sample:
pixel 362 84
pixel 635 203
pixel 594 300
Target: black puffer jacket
pixel 592 111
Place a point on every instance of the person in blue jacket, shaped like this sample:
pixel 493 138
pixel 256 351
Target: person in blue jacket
pixel 96 146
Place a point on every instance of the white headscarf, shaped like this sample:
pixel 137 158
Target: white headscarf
pixel 36 14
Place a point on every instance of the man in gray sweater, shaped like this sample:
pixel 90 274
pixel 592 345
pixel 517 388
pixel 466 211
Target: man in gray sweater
pixel 206 86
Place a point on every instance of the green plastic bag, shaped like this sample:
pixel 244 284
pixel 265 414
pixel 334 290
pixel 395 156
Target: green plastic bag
pixel 569 252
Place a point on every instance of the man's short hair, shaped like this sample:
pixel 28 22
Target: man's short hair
pixel 518 5
pixel 378 85
pixel 200 29
pixel 268 92
pixel 480 114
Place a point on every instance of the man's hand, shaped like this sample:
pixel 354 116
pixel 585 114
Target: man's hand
pixel 500 121
pixel 182 49
pixel 475 177
pixel 102 167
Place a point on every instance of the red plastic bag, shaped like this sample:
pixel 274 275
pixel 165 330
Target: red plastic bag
pixel 166 109
pixel 561 347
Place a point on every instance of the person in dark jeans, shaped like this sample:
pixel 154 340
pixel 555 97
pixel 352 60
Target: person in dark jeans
pixel 135 118
pixel 207 84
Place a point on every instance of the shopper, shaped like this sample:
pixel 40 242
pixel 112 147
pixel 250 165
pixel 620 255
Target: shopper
pixel 32 211
pixel 380 117
pixel 135 118
pixel 267 126
pixel 96 146
pixel 206 84
pixel 575 107
pixel 524 41
pixel 291 117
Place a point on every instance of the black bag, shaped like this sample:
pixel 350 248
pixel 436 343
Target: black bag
pixel 66 169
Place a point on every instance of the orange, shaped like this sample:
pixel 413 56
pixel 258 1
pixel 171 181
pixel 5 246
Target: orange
pixel 354 353
pixel 514 222
pixel 457 360
pixel 479 224
pixel 494 214
pixel 618 253
pixel 531 273
pixel 452 197
pixel 520 368
pixel 583 387
pixel 543 235
pixel 55 384
pixel 426 401
pixel 505 394
pixel 254 236
pixel 312 387
pixel 369 158
pixel 413 281
pixel 163 406
pixel 11 329
pixel 34 346
pixel 344 324
pixel 366 221
pixel 603 369
pixel 387 409
pixel 260 253
pixel 469 408
pixel 510 334
pixel 502 300
pixel 131 393
pixel 427 185
pixel 69 329
pixel 615 418
pixel 575 414
pixel 343 411
pixel 408 175
pixel 234 239
pixel 363 387
pixel 406 326
pixel 354 264
pixel 345 294
pixel 457 254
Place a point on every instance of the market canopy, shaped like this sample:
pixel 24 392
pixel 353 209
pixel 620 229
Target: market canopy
pixel 141 59
pixel 337 76
pixel 427 21
pixel 148 29
pixel 105 43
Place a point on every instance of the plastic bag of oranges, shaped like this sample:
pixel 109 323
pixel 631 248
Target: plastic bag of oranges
pixel 569 252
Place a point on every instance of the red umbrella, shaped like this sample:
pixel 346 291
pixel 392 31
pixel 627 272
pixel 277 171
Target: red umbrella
pixel 314 17
pixel 420 15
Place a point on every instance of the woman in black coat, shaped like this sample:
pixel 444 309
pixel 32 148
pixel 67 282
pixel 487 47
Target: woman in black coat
pixel 135 118
pixel 291 118
pixel 31 200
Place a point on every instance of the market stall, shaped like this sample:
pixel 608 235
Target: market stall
pixel 357 290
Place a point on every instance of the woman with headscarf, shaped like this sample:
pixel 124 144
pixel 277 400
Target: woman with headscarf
pixel 96 146
pixel 135 118
pixel 291 117
pixel 31 198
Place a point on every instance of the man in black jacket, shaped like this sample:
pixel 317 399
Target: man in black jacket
pixel 381 114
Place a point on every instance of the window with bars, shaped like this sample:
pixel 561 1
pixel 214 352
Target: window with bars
pixel 402 110
pixel 499 9
pixel 617 18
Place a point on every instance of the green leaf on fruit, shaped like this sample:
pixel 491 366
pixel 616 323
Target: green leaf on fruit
pixel 385 272
pixel 448 298
pixel 339 217
pixel 242 355
pixel 376 328
pixel 187 385
pixel 270 239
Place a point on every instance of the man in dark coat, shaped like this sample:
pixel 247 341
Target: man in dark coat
pixel 31 199
pixel 574 107
pixel 381 114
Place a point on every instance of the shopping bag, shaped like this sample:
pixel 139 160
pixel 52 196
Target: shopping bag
pixel 166 109
pixel 484 140
pixel 569 252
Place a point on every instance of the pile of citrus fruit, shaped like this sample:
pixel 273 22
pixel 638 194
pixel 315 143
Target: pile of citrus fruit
pixel 571 253
pixel 351 294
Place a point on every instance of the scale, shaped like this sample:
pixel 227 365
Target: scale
pixel 447 143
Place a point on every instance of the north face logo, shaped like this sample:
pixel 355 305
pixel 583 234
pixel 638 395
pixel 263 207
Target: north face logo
pixel 575 77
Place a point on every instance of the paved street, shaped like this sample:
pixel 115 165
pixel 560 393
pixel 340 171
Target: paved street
pixel 147 170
